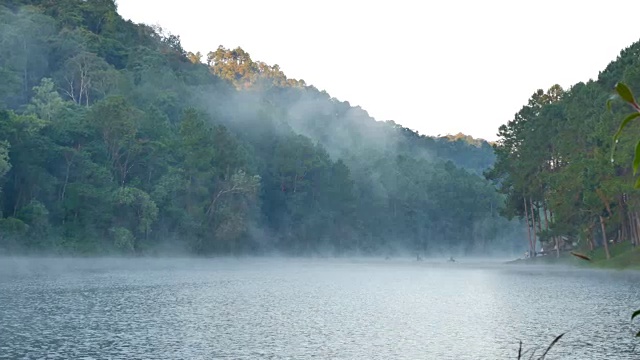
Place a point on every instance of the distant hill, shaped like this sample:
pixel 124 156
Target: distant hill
pixel 114 139
pixel 341 128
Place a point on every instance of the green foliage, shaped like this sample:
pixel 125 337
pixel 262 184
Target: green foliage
pixel 123 240
pixel 114 138
pixel 552 164
pixel 237 67
pixel 46 103
pixel 5 165
pixel 625 93
pixel 25 37
pixel 12 233
pixel 136 206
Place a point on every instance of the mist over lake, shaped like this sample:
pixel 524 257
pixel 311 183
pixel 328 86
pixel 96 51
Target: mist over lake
pixel 310 308
pixel 165 202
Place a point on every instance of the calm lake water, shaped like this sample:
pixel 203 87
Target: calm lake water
pixel 310 309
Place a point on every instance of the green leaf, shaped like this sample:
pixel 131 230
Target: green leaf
pixel 635 313
pixel 624 123
pixel 610 100
pixel 636 159
pixel 625 93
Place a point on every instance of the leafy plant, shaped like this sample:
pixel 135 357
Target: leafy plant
pixel 521 353
pixel 636 313
pixel 625 94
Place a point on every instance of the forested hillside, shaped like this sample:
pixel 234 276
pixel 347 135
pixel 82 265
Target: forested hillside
pixel 114 139
pixel 554 163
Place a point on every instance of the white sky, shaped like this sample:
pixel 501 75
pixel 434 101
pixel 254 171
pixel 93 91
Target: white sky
pixel 437 67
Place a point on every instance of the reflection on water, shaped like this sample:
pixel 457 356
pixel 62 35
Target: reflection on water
pixel 304 309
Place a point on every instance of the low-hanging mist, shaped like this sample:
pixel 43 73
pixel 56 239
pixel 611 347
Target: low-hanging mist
pixel 115 140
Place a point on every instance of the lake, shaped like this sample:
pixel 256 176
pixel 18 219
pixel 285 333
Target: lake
pixel 310 309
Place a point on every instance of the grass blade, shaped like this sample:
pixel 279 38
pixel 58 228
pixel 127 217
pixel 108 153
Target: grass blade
pixel 520 350
pixel 551 345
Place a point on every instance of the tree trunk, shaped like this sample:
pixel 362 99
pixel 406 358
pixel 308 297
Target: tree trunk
pixel 66 182
pixel 69 161
pixel 624 225
pixel 533 226
pixel 633 228
pixel 632 231
pixel 295 181
pixel 526 216
pixel 25 79
pixel 637 227
pixel 555 238
pixel 546 219
pixel 604 238
pixel 539 222
pixel 605 201
pixel 16 204
pixel 188 195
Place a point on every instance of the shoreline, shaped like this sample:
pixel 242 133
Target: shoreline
pixel 624 257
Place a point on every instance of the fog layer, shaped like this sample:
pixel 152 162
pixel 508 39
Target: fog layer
pixel 115 140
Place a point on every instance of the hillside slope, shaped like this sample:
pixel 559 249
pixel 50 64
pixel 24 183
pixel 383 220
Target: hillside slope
pixel 115 139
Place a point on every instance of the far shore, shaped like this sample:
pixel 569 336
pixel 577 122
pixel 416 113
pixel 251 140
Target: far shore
pixel 624 256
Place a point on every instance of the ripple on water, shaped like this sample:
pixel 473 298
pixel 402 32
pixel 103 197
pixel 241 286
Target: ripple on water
pixel 259 309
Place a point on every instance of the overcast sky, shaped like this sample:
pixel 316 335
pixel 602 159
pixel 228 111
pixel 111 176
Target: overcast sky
pixel 437 67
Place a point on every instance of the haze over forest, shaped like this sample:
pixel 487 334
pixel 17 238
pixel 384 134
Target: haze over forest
pixel 116 140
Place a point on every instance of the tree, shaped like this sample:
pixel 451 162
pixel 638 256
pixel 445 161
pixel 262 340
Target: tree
pixel 117 122
pixel 5 165
pixel 24 38
pixel 114 139
pixel 136 214
pixel 87 77
pixel 46 102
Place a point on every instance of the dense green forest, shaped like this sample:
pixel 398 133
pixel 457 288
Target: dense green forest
pixel 555 164
pixel 114 139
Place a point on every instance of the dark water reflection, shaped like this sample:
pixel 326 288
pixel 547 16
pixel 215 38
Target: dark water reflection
pixel 304 309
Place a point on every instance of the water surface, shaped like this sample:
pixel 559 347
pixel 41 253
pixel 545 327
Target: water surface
pixel 310 309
